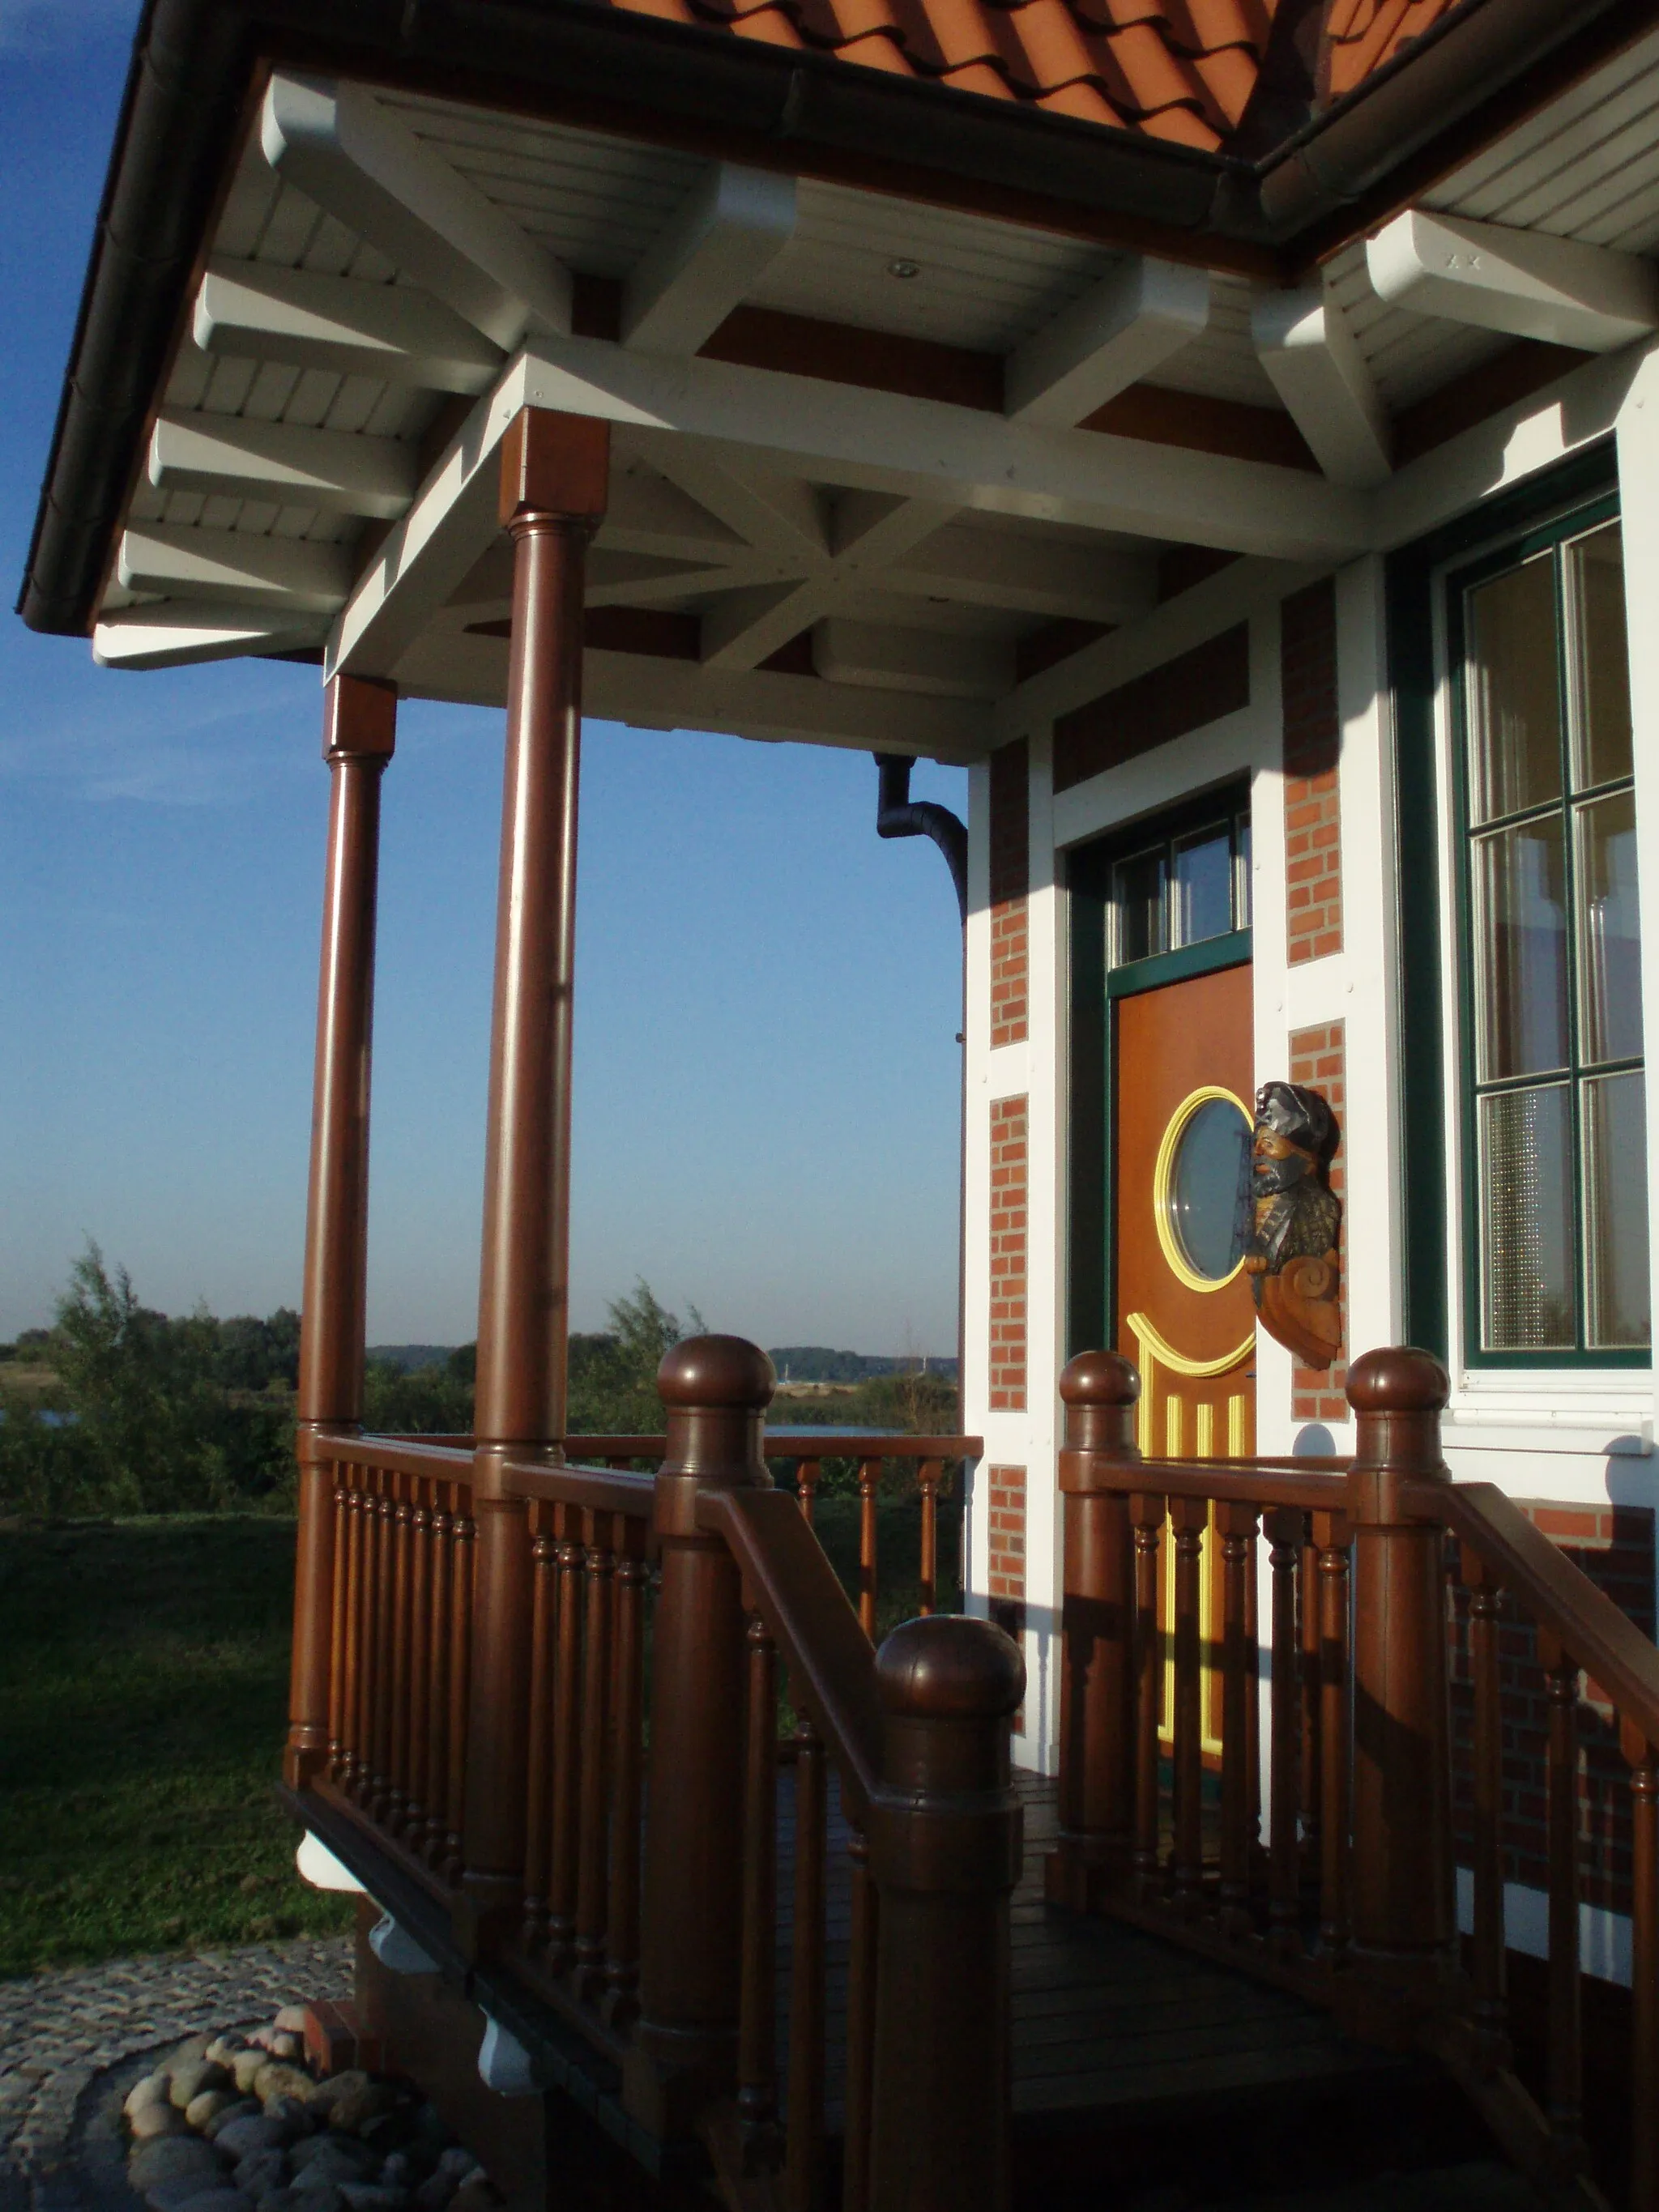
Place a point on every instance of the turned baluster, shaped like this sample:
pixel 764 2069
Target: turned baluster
pixel 804 2147
pixel 1402 1901
pixel 1147 1514
pixel 339 1604
pixel 1487 1753
pixel 420 1613
pixel 757 2081
pixel 402 1630
pixel 1235 1528
pixel 1312 1790
pixel 945 1829
pixel 563 1879
pixel 622 1966
pixel 1563 2098
pixel 594 1863
pixel 385 1626
pixel 1284 1534
pixel 539 1783
pixel 437 1707
pixel 928 1476
pixel 1331 1542
pixel 343 1762
pixel 367 1588
pixel 807 1474
pixel 1642 1758
pixel 869 1492
pixel 1096 1793
pixel 861 1952
pixel 1189 1517
pixel 460 1678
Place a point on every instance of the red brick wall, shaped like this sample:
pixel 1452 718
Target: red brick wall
pixel 1009 1129
pixel 1614 1544
pixel 1006 1556
pixel 1319 1061
pixel 1011 884
pixel 1313 837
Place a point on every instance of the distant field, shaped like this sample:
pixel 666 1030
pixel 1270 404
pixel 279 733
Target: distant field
pixel 143 1684
pixel 143 1687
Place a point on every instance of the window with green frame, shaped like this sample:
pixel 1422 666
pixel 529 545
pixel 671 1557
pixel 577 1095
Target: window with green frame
pixel 1555 1150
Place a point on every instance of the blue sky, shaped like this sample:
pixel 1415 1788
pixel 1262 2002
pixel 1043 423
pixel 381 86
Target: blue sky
pixel 767 1094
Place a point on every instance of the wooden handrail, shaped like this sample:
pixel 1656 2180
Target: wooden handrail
pixel 594 1489
pixel 1561 1598
pixel 1296 1484
pixel 788 1580
pixel 397 1454
pixel 779 1444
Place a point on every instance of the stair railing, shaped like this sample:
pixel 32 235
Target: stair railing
pixel 1349 1892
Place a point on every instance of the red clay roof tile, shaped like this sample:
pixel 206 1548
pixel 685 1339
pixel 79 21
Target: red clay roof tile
pixel 1183 70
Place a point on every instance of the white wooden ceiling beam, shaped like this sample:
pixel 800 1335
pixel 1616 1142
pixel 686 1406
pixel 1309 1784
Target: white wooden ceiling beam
pixel 1304 342
pixel 224 455
pixel 180 634
pixel 648 514
pixel 1032 575
pixel 770 510
pixel 1520 281
pixel 708 260
pixel 1120 330
pixel 251 312
pixel 888 657
pixel 235 567
pixel 360 163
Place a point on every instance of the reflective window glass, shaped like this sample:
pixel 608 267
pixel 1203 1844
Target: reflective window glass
pixel 1138 901
pixel 1513 691
pixel 1609 932
pixel 1208 1199
pixel 1521 948
pixel 1242 897
pixel 1595 586
pixel 1527 1207
pixel 1618 1305
pixel 1203 885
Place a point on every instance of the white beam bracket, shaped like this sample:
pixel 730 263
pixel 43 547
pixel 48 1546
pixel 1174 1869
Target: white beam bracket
pixel 1522 282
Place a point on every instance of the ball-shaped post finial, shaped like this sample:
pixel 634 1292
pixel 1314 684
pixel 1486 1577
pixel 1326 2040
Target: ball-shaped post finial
pixel 1099 1390
pixel 1099 1379
pixel 1398 1378
pixel 950 1668
pixel 723 1372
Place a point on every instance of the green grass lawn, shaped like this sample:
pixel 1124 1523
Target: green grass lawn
pixel 143 1688
pixel 143 1691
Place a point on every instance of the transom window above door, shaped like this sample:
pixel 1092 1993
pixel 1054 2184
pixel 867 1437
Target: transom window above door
pixel 1555 1127
pixel 1182 889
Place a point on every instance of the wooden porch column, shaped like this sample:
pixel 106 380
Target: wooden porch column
pixel 1096 1682
pixel 359 729
pixel 1403 1921
pixel 553 488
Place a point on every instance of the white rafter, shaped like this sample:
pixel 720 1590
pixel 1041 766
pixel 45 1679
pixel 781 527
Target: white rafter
pixel 306 319
pixel 1122 329
pixel 235 567
pixel 362 164
pixel 732 226
pixel 1522 282
pixel 1302 340
pixel 182 633
pixel 230 456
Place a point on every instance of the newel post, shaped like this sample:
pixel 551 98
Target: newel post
pixel 553 491
pixel 715 1391
pixel 1096 1681
pixel 359 731
pixel 946 1835
pixel 1403 1911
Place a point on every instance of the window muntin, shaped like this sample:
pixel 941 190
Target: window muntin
pixel 1187 891
pixel 1552 958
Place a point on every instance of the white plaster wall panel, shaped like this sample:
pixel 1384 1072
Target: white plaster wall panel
pixel 977 1418
pixel 1044 1265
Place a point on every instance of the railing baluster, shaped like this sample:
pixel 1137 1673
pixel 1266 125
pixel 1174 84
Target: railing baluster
pixel 562 1887
pixel 1331 1540
pixel 1643 1758
pixel 594 1861
pixel 351 1689
pixel 420 1613
pixel 460 1675
pixel 869 1490
pixel 539 1781
pixel 1188 1517
pixel 1488 1754
pixel 1235 1528
pixel 757 2065
pixel 622 1970
pixel 805 2152
pixel 928 1476
pixel 1564 2103
pixel 1284 1528
pixel 1312 1781
pixel 443 1587
pixel 368 1635
pixel 1148 1513
pixel 385 1626
pixel 402 1630
pixel 860 2028
pixel 807 1472
pixel 339 1619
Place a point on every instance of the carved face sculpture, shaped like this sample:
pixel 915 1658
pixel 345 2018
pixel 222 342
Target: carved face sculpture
pixel 1292 1256
pixel 1276 1163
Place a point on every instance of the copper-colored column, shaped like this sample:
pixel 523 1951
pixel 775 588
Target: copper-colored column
pixel 554 473
pixel 359 726
pixel 1096 1682
pixel 1403 1915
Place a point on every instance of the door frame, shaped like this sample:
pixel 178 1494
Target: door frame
pixel 1093 991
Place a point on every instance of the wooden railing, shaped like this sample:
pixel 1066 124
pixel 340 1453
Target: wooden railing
pixel 558 1753
pixel 1343 1884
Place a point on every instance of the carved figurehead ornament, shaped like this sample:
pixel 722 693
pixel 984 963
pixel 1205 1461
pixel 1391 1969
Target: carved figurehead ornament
pixel 1292 1256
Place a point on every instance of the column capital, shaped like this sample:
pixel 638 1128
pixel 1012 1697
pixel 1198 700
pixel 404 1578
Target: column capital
pixel 359 719
pixel 554 466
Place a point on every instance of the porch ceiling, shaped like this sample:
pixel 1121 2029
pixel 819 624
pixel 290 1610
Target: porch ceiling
pixel 875 461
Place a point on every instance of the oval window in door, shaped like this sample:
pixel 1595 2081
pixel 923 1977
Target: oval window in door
pixel 1200 1195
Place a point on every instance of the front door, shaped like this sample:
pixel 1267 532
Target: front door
pixel 1182 1126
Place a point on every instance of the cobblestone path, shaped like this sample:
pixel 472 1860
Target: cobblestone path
pixel 60 2031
